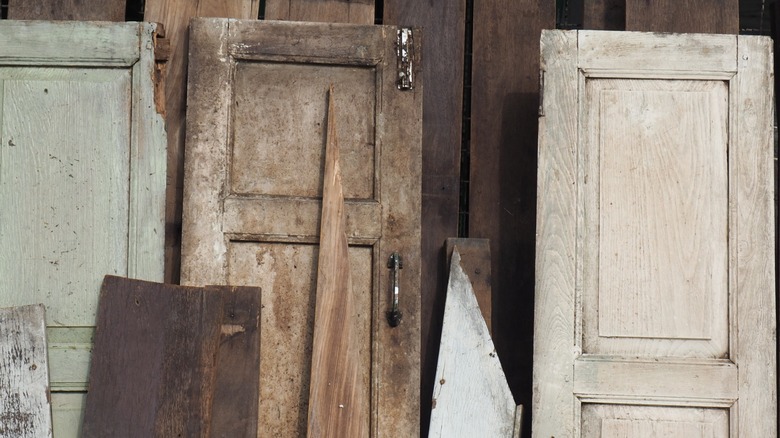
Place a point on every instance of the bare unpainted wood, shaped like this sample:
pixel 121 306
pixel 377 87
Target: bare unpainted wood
pixel 655 246
pixel 25 406
pixel 85 187
pixel 475 260
pixel 335 396
pixel 242 228
pixel 604 15
pixel 443 51
pixel 699 16
pixel 173 361
pixel 77 10
pixel 175 17
pixel 323 11
pixel 471 396
pixel 502 183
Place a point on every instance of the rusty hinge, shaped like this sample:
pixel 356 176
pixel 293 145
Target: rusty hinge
pixel 405 51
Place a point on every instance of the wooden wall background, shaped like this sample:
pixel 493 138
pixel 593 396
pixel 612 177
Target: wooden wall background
pixel 481 98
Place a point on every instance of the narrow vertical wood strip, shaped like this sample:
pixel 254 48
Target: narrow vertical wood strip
pixel 503 193
pixel 442 72
pixel 335 398
pixel 693 16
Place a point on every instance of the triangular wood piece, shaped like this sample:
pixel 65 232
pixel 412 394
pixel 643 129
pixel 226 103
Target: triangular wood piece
pixel 174 361
pixel 25 410
pixel 335 396
pixel 470 396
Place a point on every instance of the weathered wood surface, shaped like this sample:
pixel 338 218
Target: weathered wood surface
pixel 335 398
pixel 77 10
pixel 475 260
pixel 157 361
pixel 324 11
pixel 259 223
pixel 654 273
pixel 84 188
pixel 503 149
pixel 25 408
pixel 175 17
pixel 604 15
pixel 471 396
pixel 443 53
pixel 697 16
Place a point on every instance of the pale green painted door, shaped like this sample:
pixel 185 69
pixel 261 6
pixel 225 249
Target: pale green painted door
pixel 82 181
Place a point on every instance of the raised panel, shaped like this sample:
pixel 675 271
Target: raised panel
pixel 622 421
pixel 278 146
pixel 287 275
pixel 657 208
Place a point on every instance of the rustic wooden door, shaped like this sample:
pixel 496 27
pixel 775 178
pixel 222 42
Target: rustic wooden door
pixel 255 145
pixel 82 181
pixel 655 308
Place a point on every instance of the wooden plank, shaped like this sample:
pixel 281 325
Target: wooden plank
pixel 694 16
pixel 443 51
pixel 475 260
pixel 25 409
pixel 77 10
pixel 335 398
pixel 604 15
pixel 156 361
pixel 324 11
pixel 175 17
pixel 502 195
pixel 471 396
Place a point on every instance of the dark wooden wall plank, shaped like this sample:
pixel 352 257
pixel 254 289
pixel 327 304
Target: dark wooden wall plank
pixel 325 11
pixel 502 201
pixel 156 364
pixel 703 16
pixel 175 17
pixel 80 10
pixel 604 14
pixel 443 25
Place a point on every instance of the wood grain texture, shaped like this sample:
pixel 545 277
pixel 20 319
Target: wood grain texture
pixel 604 15
pixel 323 11
pixel 471 396
pixel 156 363
pixel 475 260
pixel 557 239
pixel 25 407
pixel 175 17
pixel 269 237
pixel 77 10
pixel 443 54
pixel 699 16
pixel 335 398
pixel 503 153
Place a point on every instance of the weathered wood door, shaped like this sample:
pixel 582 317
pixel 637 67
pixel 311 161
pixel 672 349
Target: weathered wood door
pixel 655 308
pixel 82 180
pixel 255 145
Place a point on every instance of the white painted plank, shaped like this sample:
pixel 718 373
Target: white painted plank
pixel 25 411
pixel 470 395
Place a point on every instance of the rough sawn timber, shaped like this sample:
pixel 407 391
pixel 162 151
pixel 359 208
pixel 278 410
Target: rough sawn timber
pixel 25 408
pixel 335 398
pixel 323 11
pixel 77 10
pixel 471 396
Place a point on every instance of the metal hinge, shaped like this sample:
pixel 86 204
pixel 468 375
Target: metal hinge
pixel 405 51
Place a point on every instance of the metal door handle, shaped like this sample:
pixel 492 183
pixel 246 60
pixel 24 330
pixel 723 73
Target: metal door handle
pixel 395 265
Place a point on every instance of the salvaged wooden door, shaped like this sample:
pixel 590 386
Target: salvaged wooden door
pixel 256 119
pixel 655 302
pixel 82 181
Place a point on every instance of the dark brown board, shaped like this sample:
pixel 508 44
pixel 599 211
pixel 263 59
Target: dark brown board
pixel 443 25
pixel 322 11
pixel 693 16
pixel 604 14
pixel 156 361
pixel 79 10
pixel 504 126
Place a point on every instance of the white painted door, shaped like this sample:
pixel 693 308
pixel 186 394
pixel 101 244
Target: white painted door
pixel 655 302
pixel 82 181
